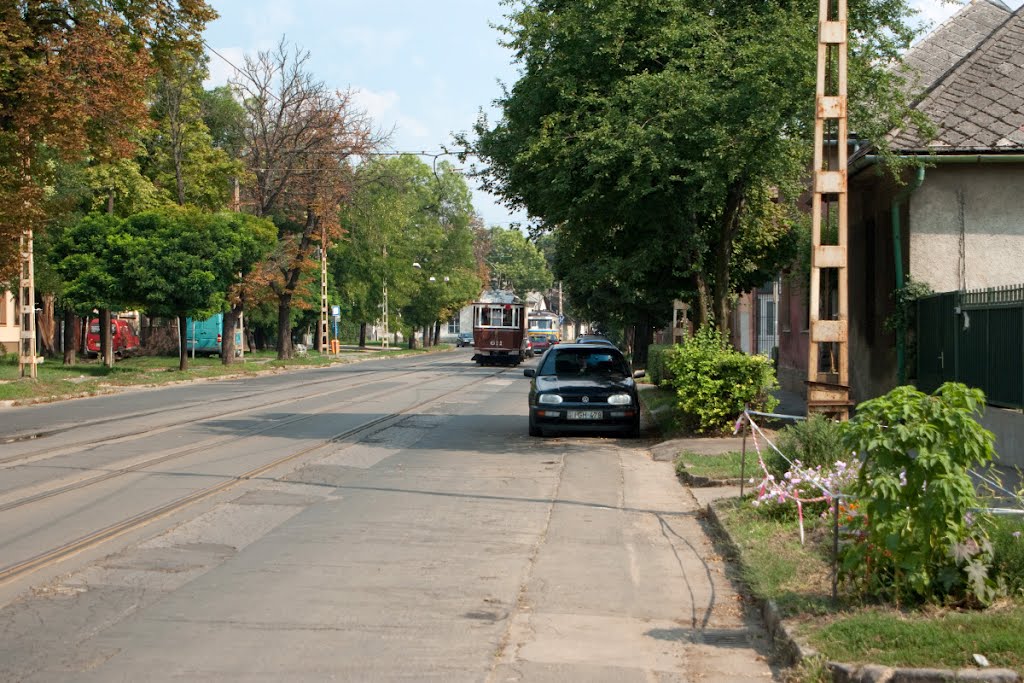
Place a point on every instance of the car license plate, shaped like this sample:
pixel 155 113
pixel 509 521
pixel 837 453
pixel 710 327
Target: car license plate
pixel 584 415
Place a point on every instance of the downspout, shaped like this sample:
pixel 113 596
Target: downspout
pixel 897 255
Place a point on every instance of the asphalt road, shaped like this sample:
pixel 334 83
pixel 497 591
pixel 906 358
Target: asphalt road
pixel 378 521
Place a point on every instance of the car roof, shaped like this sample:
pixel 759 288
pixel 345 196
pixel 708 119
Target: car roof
pixel 588 346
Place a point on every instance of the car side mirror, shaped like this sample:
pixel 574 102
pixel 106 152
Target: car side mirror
pixel 640 373
pixel 529 372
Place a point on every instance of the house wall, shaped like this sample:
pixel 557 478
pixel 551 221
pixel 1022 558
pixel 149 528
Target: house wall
pixel 793 336
pixel 9 328
pixel 872 280
pixel 984 203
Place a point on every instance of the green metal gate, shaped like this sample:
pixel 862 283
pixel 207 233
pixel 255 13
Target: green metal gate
pixel 975 337
pixel 936 340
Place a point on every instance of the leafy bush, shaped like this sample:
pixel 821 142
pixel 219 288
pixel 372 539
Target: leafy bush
pixel 714 382
pixel 917 539
pixel 657 371
pixel 816 441
pixel 1008 558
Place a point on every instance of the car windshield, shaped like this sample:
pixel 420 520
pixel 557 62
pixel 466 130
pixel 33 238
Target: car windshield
pixel 594 362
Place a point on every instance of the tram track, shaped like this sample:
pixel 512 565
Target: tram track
pixel 66 448
pixel 137 521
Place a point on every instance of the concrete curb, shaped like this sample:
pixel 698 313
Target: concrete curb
pixel 793 651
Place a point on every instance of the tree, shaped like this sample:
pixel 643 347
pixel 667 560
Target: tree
pixel 666 130
pixel 300 142
pixel 182 158
pixel 402 213
pixel 182 262
pixel 73 77
pixel 516 263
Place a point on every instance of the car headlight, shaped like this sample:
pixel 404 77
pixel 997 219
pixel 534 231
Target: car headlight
pixel 550 398
pixel 620 399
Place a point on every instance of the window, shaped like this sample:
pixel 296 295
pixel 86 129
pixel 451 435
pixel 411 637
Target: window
pixel 3 309
pixel 453 325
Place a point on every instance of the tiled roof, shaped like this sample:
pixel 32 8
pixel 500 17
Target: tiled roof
pixel 978 105
pixel 929 59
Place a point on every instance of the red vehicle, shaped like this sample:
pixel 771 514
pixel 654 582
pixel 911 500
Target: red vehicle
pixel 499 329
pixel 123 338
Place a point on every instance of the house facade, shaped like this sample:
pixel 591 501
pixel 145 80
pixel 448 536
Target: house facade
pixel 10 329
pixel 954 219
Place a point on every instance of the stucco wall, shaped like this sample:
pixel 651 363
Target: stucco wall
pixel 9 330
pixel 986 205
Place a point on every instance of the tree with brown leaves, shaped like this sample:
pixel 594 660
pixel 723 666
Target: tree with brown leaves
pixel 302 139
pixel 73 77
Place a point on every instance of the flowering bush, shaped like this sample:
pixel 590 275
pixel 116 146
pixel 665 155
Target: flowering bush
pixel 813 488
pixel 918 539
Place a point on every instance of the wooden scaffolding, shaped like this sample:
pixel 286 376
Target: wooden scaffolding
pixel 828 383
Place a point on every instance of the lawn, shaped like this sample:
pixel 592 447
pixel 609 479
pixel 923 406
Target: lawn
pixel 798 578
pixel 721 466
pixel 56 381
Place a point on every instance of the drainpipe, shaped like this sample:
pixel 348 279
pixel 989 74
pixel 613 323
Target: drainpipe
pixel 897 255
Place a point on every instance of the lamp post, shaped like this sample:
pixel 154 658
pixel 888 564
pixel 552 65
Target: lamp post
pixel 384 343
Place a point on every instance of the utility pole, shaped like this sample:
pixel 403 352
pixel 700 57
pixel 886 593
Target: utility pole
pixel 385 344
pixel 828 388
pixel 324 341
pixel 27 359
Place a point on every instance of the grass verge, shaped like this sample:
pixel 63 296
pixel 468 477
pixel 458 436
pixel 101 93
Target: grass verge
pixel 660 403
pixel 775 566
pixel 721 466
pixel 56 381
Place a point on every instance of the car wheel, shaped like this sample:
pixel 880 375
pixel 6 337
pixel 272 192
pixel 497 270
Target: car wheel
pixel 535 429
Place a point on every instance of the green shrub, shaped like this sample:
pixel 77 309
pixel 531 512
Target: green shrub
pixel 814 441
pixel 1008 559
pixel 714 382
pixel 916 538
pixel 657 371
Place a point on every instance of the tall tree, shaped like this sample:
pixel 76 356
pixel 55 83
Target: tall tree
pixel 404 213
pixel 300 142
pixel 664 131
pixel 517 264
pixel 73 77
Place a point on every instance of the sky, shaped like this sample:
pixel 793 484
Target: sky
pixel 424 69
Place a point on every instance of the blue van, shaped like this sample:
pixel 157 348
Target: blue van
pixel 205 336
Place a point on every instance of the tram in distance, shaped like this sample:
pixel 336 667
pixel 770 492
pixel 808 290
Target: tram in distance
pixel 499 329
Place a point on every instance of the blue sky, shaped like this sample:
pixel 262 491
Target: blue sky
pixel 423 68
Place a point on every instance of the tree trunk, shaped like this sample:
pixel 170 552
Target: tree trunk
pixel 106 347
pixel 284 327
pixel 412 338
pixel 437 332
pixel 704 306
pixel 46 323
pixel 362 335
pixel 182 343
pixel 227 345
pixel 70 336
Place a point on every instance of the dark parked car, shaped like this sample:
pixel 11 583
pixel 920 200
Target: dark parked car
pixel 594 339
pixel 585 387
pixel 464 339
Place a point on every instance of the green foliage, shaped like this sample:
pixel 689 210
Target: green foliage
pixel 916 539
pixel 657 366
pixel 715 382
pixel 902 317
pixel 1007 537
pixel 516 263
pixel 666 141
pixel 814 441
